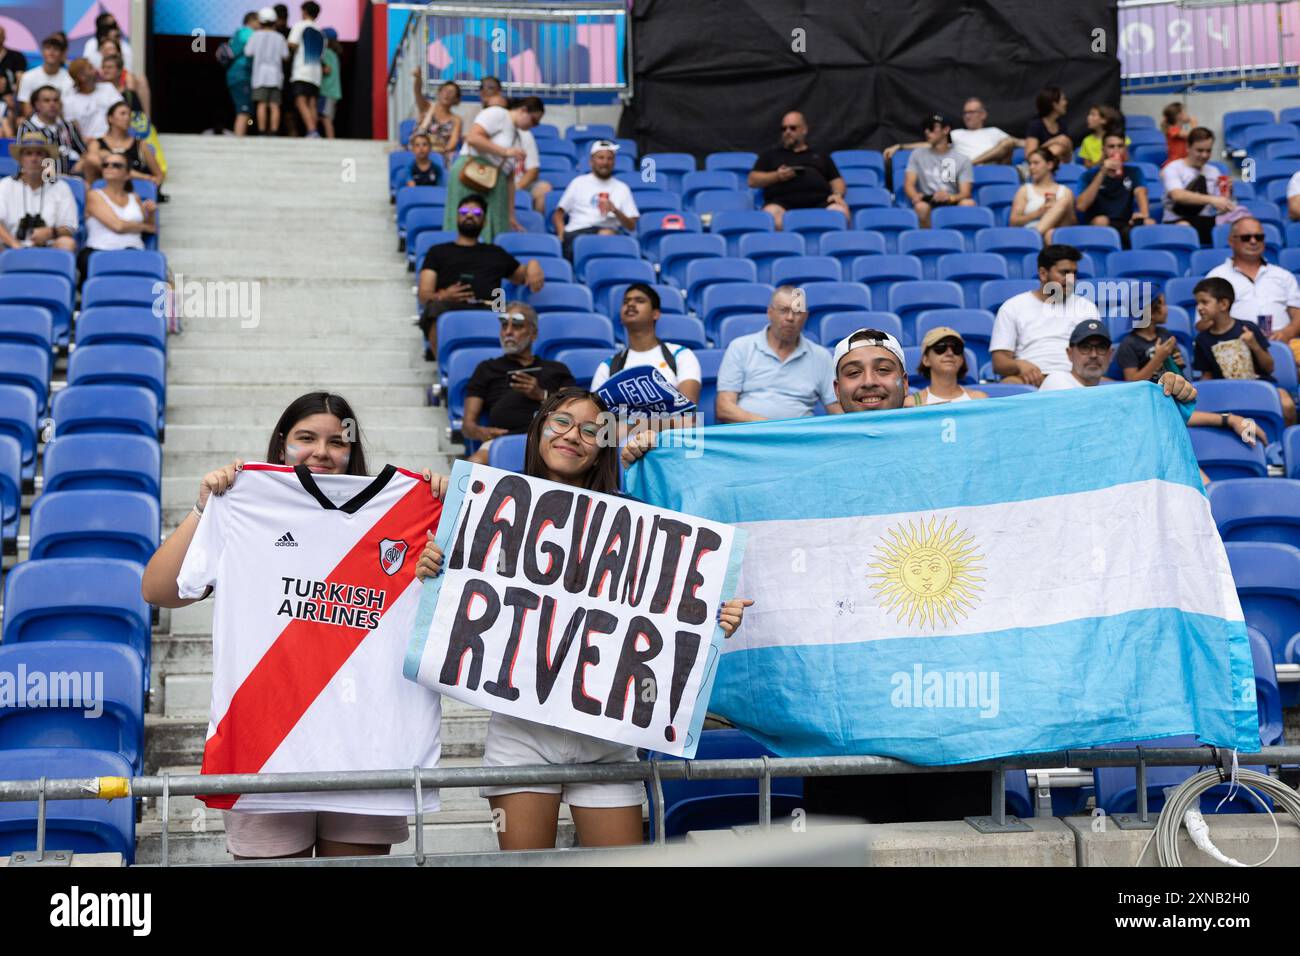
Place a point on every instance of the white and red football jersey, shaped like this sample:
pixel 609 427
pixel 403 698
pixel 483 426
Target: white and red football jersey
pixel 315 589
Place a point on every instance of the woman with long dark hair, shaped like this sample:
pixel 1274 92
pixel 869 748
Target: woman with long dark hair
pixel 567 443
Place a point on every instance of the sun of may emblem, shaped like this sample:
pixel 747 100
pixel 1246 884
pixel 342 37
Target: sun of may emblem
pixel 925 573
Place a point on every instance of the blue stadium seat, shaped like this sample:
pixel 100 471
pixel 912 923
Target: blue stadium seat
pixel 671 302
pixel 1221 454
pixel 1284 367
pixel 26 325
pixel 405 129
pixel 826 298
pixel 1290 114
pixel 11 490
pixel 562 298
pixel 657 201
pixel 507 452
pixel 105 410
pixel 733 225
pixel 676 252
pixel 554 269
pixel 427 240
pixel 813 223
pixel 836 325
pixel 703 274
pixel 419 220
pixel 559 331
pixel 734 326
pixel 722 200
pixel 582 363
pixel 1012 243
pixel 466 328
pixel 975 326
pixel 710 361
pixel 912 361
pixel 997 199
pixel 532 222
pixel 580 134
pixel 77 599
pixel 1257 509
pixel 1138 121
pixel 1289 260
pixel 721 804
pixel 1003 390
pixel 898 172
pixel 861 176
pixel 966 220
pixel 46 291
pixel 1202 261
pixel 1283 149
pixel 996 291
pixel 127 462
pixel 590 247
pixel 907 300
pixel 1255 137
pixel 1257 400
pixel 120 290
pixel 1268 213
pixel 681 330
pixel 889 223
pixel 82 826
pixel 93 698
pixel 732 298
pixel 696 183
pixel 1145 136
pixel 119 365
pixel 545 131
pixel 1291 451
pixel 28 366
pixel 971 271
pixel 57 262
pixel 1070 174
pixel 881 273
pixel 1267 578
pixel 1098 240
pixel 651 230
pixel 765 248
pixel 801 270
pixel 121 325
pixel 1272 170
pixel 848 245
pixel 555 164
pixel 417 197
pixel 1268 695
pixel 1179 292
pixel 460 367
pixel 18 420
pixel 929 245
pixel 95 524
pixel 1150 265
pixel 557 147
pixel 736 162
pixel 1178 240
pixel 1117 786
pixel 992 175
pixel 860 159
pixel 867 197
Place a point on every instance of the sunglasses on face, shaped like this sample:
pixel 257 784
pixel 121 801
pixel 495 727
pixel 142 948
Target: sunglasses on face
pixel 1251 236
pixel 517 319
pixel 114 165
pixel 789 127
pixel 561 422
pixel 943 348
pixel 473 212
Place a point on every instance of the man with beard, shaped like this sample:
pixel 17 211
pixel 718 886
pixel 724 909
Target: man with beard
pixel 595 203
pixel 467 274
pixel 793 176
pixel 510 389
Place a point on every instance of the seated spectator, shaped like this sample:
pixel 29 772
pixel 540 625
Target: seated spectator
pixel 466 273
pixel 49 73
pixel 106 31
pixel 134 87
pixel 1114 193
pixel 595 203
pixel 115 216
pixel 794 176
pixel 422 171
pixel 511 388
pixel 440 123
pixel 980 144
pixel 1042 204
pixel 491 153
pixel 1048 130
pixel 776 372
pixel 1176 124
pixel 1197 191
pixel 1227 347
pixel 1266 294
pixel 676 363
pixel 118 141
pixel 1089 352
pixel 943 363
pixel 268 50
pixel 936 174
pixel 490 92
pixel 1101 119
pixel 1032 330
pixel 47 122
pixel 34 212
pixel 87 105
pixel 1143 352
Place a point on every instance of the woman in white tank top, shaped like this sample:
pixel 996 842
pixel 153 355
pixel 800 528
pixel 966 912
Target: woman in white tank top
pixel 1042 203
pixel 115 217
pixel 943 362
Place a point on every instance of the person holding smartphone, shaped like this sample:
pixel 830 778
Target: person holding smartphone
pixel 1115 192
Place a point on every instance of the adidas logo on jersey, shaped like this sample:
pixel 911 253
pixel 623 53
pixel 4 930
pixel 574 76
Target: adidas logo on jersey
pixel 286 541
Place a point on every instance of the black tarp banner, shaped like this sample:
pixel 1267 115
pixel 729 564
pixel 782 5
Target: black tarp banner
pixel 716 75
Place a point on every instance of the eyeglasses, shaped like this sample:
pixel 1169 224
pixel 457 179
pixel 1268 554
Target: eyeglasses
pixel 1093 348
pixel 517 319
pixel 561 422
pixel 1251 236
pixel 946 346
pixel 113 165
pixel 971 112
pixel 474 211
pixel 789 127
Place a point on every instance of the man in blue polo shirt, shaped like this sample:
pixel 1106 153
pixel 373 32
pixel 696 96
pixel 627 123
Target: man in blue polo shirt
pixel 776 372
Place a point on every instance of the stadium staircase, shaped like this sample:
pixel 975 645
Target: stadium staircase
pixel 337 313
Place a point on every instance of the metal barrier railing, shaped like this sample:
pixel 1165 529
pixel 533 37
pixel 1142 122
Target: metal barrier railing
pixel 653 772
pixel 1197 42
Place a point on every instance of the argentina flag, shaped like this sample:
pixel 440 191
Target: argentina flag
pixel 963 582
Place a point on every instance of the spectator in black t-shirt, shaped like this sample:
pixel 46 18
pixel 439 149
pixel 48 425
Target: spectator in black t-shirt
pixel 422 171
pixel 12 66
pixel 1114 193
pixel 511 388
pixel 1048 130
pixel 1142 353
pixel 795 177
pixel 466 273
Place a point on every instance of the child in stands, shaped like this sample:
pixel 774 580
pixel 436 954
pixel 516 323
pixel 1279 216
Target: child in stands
pixel 1230 348
pixel 1177 123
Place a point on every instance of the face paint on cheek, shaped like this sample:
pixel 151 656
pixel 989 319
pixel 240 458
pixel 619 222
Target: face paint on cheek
pixel 295 454
pixel 549 432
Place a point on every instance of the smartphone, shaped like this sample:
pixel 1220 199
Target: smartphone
pixel 524 371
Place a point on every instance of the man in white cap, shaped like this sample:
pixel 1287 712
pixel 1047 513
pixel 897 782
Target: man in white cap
pixel 870 372
pixel 596 203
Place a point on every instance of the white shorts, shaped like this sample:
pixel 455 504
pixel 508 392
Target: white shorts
pixel 280 834
pixel 512 742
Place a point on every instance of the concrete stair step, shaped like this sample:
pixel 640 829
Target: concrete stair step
pixel 307 379
pixel 395 416
pixel 221 399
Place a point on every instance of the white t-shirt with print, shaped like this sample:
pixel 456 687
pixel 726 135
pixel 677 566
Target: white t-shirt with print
pixel 974 143
pixel 90 110
pixel 688 366
pixel 1178 174
pixel 581 201
pixel 1038 331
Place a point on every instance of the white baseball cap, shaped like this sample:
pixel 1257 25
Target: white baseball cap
pixel 266 15
pixel 599 144
pixel 866 336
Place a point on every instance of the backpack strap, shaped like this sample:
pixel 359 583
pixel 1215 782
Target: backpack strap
pixel 669 356
pixel 617 363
